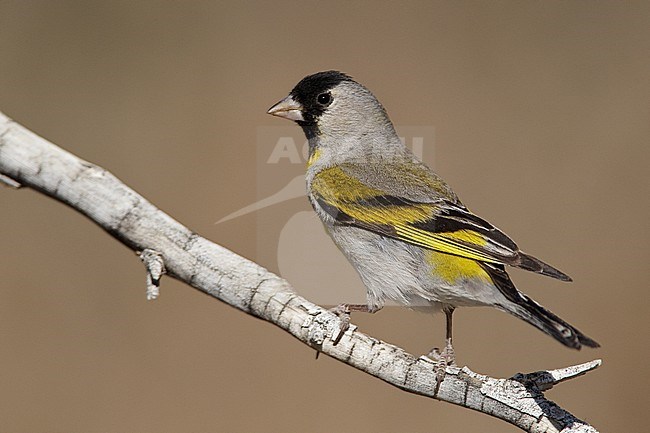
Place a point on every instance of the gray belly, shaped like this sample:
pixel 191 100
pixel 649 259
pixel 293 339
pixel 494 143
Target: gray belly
pixel 394 271
pixel 391 270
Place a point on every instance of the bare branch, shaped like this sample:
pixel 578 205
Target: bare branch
pixel 9 181
pixel 545 380
pixel 167 245
pixel 155 266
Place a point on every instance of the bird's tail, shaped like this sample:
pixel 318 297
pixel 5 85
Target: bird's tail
pixel 520 305
pixel 541 318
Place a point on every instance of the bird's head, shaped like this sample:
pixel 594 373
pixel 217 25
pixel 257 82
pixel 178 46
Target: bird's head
pixel 333 109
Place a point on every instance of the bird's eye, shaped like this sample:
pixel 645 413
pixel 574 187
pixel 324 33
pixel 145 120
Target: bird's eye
pixel 324 98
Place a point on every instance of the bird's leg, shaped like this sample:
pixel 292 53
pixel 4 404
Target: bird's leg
pixel 343 311
pixel 447 357
pixel 448 353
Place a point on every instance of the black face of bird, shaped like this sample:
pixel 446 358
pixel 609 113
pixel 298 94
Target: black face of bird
pixel 309 99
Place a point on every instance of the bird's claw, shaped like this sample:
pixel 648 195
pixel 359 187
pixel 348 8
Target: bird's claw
pixel 446 357
pixel 443 359
pixel 343 313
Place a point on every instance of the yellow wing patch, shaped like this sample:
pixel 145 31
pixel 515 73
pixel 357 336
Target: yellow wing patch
pixel 446 242
pixel 345 192
pixel 335 186
pixel 468 236
pixel 453 268
pixel 389 215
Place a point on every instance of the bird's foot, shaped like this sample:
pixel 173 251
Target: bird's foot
pixel 343 313
pixel 446 357
pixel 443 360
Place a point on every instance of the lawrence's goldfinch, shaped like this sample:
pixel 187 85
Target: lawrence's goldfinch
pixel 400 225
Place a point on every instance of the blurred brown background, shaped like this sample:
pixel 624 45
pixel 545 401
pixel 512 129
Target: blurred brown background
pixel 541 113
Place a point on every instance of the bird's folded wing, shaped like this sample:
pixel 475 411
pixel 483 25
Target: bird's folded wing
pixel 418 208
pixel 435 221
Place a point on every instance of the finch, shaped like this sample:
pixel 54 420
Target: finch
pixel 407 234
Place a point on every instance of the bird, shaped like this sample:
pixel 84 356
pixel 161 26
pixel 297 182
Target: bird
pixel 401 226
